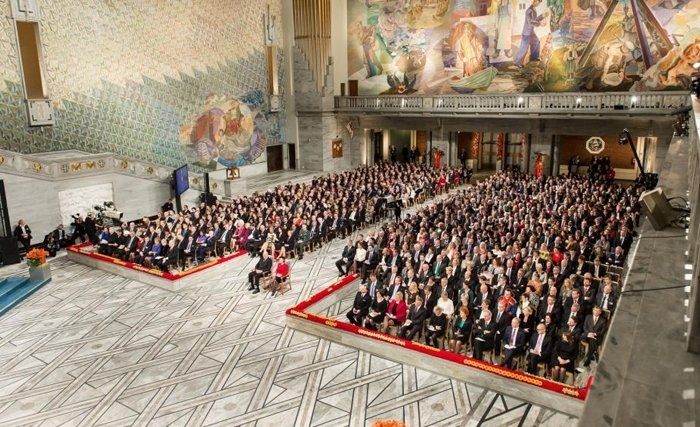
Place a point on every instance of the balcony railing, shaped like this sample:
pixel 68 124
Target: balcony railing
pixel 545 104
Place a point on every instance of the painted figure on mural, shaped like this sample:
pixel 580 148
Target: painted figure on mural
pixel 504 24
pixel 539 166
pixel 570 59
pixel 529 40
pixel 469 48
pixel 367 35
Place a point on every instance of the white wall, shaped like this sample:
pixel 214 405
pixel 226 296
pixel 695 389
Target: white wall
pixel 37 200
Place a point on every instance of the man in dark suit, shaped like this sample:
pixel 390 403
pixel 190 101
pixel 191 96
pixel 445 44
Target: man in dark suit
pixel 503 320
pixel 224 240
pixel 414 320
pixel 597 269
pixel 606 300
pixel 552 308
pixel 593 332
pixel 481 296
pixel 514 343
pixel 484 334
pixel 540 349
pixel 588 293
pixel 360 306
pixel 431 292
pixel 64 239
pixel 23 234
pixel 374 284
pixel 262 268
pixel 371 261
pixel 346 259
pixel 574 327
pixel 573 312
pixel 170 258
pixel 617 258
pixel 123 251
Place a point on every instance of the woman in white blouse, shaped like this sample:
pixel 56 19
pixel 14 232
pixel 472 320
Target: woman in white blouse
pixel 446 304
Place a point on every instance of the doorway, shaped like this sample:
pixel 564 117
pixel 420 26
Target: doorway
pixel 275 158
pixel 292 152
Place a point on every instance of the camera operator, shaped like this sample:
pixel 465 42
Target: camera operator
pixel 79 230
pixel 51 243
pixel 91 228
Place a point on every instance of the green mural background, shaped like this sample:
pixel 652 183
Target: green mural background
pixel 511 46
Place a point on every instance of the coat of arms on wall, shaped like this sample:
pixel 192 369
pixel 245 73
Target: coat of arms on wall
pixel 230 132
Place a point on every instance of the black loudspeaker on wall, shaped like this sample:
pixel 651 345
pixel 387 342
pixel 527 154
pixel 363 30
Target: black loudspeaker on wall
pixel 206 182
pixel 656 208
pixel 9 250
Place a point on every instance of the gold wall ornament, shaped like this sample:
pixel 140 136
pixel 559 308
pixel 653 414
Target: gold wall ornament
pixel 2 160
pixel 90 165
pixel 76 166
pixel 150 170
pixel 37 167
pixel 124 164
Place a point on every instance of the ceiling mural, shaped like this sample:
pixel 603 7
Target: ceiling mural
pixel 511 46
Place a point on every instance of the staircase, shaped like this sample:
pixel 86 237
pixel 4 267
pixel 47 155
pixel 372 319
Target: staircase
pixel 14 290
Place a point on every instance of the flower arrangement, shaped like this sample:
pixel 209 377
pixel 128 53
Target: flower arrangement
pixel 388 423
pixel 36 257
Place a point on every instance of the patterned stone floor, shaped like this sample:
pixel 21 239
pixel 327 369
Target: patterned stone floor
pixel 95 349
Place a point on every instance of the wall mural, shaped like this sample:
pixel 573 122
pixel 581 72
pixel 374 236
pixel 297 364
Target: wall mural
pixel 507 46
pixel 229 132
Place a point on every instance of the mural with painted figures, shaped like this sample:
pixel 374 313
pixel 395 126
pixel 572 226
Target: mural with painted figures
pixel 511 46
pixel 229 132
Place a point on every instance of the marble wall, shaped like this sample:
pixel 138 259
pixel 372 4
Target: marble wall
pixel 38 201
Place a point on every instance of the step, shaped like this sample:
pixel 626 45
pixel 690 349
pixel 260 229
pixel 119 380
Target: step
pixel 19 293
pixel 9 284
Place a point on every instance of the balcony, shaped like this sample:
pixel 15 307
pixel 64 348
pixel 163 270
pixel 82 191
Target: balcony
pixel 555 105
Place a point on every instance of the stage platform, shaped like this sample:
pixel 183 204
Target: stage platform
pixel 87 254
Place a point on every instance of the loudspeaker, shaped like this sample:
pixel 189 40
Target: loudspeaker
pixel 9 251
pixel 656 207
pixel 206 182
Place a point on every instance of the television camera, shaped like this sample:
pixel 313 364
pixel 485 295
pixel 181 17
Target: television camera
pixel 107 214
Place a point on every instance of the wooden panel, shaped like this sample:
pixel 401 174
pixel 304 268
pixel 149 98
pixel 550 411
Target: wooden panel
pixel 621 156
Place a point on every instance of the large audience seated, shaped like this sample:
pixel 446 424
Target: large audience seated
pixel 546 251
pixel 287 220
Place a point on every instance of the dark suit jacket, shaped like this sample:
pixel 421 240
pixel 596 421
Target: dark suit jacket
pixel 519 338
pixel 612 301
pixel 416 316
pixel 598 327
pixel 556 312
pixel 362 303
pixel 349 253
pixel 547 345
pixel 503 322
pixel 264 264
pixel 486 332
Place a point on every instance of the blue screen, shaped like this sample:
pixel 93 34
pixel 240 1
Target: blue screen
pixel 182 182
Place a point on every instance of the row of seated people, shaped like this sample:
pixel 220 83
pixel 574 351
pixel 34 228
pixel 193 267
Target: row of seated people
pixel 548 248
pixel 293 216
pixel 499 333
pixel 577 293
